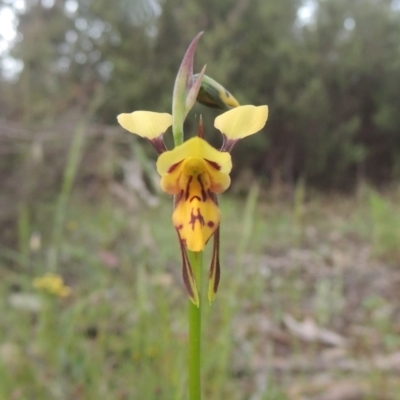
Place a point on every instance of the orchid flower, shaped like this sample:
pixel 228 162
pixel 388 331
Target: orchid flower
pixel 195 172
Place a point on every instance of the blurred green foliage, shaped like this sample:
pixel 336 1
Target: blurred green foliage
pixel 122 333
pixel 333 87
pixel 329 70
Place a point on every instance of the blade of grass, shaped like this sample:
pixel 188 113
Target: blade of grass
pixel 73 161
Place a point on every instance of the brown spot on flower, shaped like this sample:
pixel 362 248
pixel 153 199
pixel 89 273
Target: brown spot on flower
pixel 210 224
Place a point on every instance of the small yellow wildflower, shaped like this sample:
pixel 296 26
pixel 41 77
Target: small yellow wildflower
pixel 72 226
pixel 52 284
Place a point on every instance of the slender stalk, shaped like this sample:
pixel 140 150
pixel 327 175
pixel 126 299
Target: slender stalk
pixel 73 161
pixel 196 260
pixel 71 169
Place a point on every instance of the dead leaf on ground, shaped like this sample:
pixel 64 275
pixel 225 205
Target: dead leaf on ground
pixel 309 331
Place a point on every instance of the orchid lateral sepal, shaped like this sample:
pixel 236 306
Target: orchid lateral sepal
pixel 215 269
pixel 188 275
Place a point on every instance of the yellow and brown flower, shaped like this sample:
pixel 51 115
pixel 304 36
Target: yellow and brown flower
pixel 195 172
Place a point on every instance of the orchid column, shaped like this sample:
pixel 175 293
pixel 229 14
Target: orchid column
pixel 194 172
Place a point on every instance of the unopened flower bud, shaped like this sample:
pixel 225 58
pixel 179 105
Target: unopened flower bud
pixel 214 95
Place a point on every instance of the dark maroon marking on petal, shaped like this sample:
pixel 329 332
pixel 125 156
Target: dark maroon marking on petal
pixel 203 192
pixel 173 167
pixel 179 227
pixel 188 188
pixel 195 197
pixel 213 196
pixel 213 164
pixel 227 144
pixel 178 198
pixel 159 144
pixel 211 224
pixel 194 218
pixel 185 277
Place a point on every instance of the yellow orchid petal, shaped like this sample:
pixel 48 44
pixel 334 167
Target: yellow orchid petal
pixel 242 121
pixel 171 182
pixel 219 181
pixel 194 172
pixel 146 124
pixel 177 179
pixel 196 216
pixel 197 148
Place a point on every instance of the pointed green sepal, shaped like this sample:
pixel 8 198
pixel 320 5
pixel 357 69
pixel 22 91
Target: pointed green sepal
pixel 188 276
pixel 183 83
pixel 213 94
pixel 194 91
pixel 215 270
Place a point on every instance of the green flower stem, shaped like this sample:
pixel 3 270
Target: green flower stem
pixel 196 260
